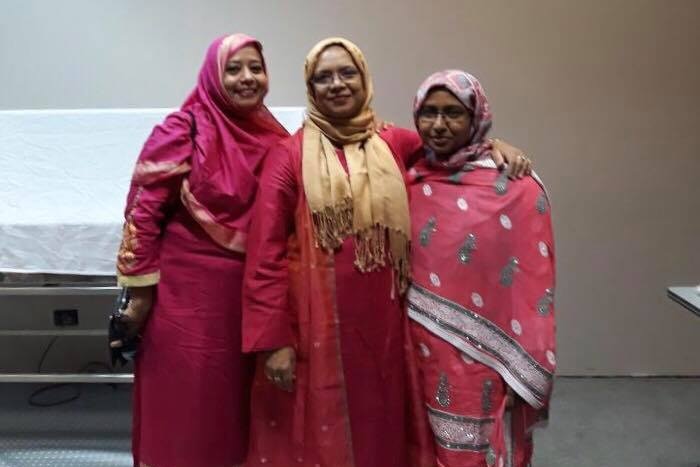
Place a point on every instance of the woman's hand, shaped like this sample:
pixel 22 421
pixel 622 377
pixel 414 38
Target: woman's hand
pixel 280 367
pixel 137 312
pixel 519 164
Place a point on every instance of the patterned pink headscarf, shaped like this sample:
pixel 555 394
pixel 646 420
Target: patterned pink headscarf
pixel 470 93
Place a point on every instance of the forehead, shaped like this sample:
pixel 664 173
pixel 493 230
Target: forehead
pixel 246 54
pixel 440 97
pixel 334 56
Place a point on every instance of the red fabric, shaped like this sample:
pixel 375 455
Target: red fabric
pixel 220 166
pixel 148 205
pixel 483 272
pixel 351 393
pixel 191 391
pixel 230 145
pixel 476 394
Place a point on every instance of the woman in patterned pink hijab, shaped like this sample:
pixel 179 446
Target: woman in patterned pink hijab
pixel 481 301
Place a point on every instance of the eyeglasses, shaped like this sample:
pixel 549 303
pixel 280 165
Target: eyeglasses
pixel 450 114
pixel 326 78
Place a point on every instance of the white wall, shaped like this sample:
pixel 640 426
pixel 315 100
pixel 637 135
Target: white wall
pixel 603 94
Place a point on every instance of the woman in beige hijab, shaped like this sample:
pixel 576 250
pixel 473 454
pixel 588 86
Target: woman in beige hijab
pixel 326 270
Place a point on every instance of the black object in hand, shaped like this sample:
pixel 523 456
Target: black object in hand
pixel 118 331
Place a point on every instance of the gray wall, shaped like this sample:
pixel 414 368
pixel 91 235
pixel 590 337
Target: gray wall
pixel 603 94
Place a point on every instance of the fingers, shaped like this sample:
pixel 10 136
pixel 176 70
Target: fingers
pixel 280 367
pixel 286 381
pixel 498 158
pixel 132 321
pixel 116 344
pixel 524 166
pixel 283 378
pixel 513 168
pixel 519 167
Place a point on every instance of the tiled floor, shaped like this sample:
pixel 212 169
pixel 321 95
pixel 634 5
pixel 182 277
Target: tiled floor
pixel 594 423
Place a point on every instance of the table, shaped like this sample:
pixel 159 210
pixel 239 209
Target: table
pixel 688 297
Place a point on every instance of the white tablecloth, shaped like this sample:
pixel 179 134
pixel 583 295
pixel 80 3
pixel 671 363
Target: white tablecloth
pixel 63 181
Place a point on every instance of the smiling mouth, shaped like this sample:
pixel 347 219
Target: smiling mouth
pixel 440 140
pixel 339 99
pixel 247 92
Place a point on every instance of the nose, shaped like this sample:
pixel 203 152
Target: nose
pixel 337 83
pixel 247 76
pixel 439 124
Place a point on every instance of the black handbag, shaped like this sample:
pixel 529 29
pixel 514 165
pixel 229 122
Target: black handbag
pixel 117 331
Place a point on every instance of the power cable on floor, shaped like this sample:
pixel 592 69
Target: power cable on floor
pixel 76 388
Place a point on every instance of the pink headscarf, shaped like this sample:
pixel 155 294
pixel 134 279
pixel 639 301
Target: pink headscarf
pixel 470 93
pixel 230 148
pixel 227 153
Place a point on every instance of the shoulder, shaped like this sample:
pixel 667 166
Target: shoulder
pixel 533 185
pixel 180 119
pixel 174 131
pixel 287 146
pixel 529 191
pixel 177 124
pixel 400 136
pixel 284 157
pixel 404 143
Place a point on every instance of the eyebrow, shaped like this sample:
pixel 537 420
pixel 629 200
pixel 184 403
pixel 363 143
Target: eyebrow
pixel 342 68
pixel 445 107
pixel 239 62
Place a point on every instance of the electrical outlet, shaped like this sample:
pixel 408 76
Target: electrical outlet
pixel 65 317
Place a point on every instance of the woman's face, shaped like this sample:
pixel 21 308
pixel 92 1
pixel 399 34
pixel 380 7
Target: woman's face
pixel 245 79
pixel 337 84
pixel 444 123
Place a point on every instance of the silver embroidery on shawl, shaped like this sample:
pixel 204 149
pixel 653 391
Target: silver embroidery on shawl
pixel 486 391
pixel 509 271
pixel 427 231
pixel 468 330
pixel 541 204
pixel 491 457
pixel 544 304
pixel 459 433
pixel 442 393
pixel 465 253
pixel 501 183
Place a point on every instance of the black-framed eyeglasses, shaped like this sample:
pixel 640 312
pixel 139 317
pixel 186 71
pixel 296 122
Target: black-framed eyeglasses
pixel 451 114
pixel 326 78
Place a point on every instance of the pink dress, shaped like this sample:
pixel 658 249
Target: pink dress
pixel 354 380
pixel 186 222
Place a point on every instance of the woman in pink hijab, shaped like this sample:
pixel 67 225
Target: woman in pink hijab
pixel 182 256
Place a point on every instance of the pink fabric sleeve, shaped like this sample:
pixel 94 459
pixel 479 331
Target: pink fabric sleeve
pixel 266 318
pixel 405 143
pixel 153 194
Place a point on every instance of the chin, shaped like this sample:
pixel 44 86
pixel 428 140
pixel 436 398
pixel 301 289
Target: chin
pixel 440 152
pixel 247 104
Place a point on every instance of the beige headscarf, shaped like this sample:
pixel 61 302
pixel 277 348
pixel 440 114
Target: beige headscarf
pixel 371 204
